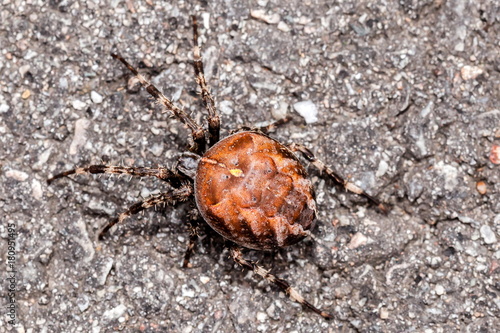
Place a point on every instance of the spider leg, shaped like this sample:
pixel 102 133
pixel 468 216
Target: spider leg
pixel 335 176
pixel 170 176
pixel 285 286
pixel 272 126
pixel 177 195
pixel 197 131
pixel 193 237
pixel 213 116
pixel 264 129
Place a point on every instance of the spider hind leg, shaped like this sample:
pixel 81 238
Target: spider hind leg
pixel 284 285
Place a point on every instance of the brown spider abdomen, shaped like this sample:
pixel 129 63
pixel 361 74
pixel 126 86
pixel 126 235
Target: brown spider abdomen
pixel 253 191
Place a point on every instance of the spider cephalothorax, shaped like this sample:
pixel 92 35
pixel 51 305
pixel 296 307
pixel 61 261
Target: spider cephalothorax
pixel 248 187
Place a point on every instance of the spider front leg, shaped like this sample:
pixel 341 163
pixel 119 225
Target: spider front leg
pixel 335 176
pixel 171 176
pixel 285 286
pixel 197 132
pixel 213 116
pixel 181 192
pixel 169 198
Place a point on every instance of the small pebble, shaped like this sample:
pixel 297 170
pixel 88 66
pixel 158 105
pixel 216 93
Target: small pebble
pixel 24 69
pixel 226 107
pixel 96 97
pixel 157 149
pixel 307 110
pixel 460 47
pixel 382 169
pixel 36 190
pixel 283 27
pixel 271 310
pixel 187 292
pixel 261 316
pixel 43 300
pixel 495 154
pixel 26 94
pixel 146 117
pixel 384 313
pixel 488 234
pixel 63 83
pixel 42 159
pixel 17 175
pixel 470 72
pixel 83 303
pixel 260 14
pixel 439 290
pixel 481 268
pixel 357 240
pixel 145 192
pixel 204 279
pixel 466 219
pixel 218 315
pixel 280 111
pixel 104 271
pixel 78 105
pixel 481 187
pixel 80 137
pixel 114 313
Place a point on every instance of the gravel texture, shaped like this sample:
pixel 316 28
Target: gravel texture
pixel 407 99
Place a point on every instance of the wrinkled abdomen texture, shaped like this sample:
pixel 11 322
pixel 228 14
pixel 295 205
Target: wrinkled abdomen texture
pixel 253 191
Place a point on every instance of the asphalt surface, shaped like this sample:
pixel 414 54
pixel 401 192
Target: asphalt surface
pixel 407 94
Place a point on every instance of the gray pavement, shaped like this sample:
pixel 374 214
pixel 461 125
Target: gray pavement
pixel 407 94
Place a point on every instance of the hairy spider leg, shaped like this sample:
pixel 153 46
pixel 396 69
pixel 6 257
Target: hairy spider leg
pixel 284 285
pixel 213 116
pixel 165 174
pixel 335 176
pixel 197 132
pixel 263 129
pixel 193 237
pixel 168 198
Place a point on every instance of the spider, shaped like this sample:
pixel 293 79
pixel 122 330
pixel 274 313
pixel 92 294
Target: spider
pixel 248 187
